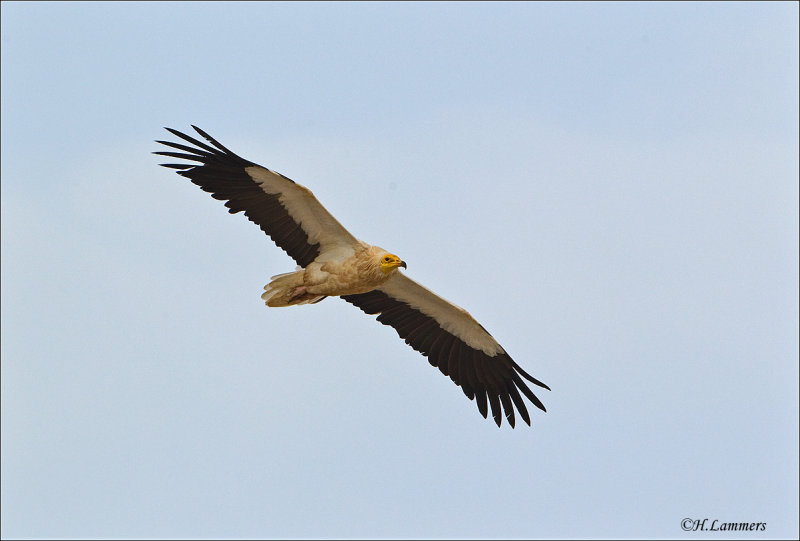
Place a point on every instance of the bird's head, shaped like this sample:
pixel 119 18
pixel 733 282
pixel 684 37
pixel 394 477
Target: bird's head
pixel 389 262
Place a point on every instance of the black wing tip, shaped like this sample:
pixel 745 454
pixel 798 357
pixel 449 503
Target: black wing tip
pixel 175 132
pixel 212 150
pixel 213 141
pixel 527 376
pixel 201 132
pixel 512 422
pixel 178 166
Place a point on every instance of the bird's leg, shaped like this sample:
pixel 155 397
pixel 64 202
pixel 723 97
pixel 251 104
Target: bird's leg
pixel 297 292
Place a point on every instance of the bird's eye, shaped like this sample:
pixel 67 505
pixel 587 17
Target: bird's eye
pixel 387 259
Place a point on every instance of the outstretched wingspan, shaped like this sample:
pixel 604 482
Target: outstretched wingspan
pixel 334 263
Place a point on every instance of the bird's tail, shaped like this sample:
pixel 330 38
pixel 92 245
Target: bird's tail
pixel 287 290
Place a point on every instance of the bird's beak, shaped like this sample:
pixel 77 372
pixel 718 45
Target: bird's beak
pixel 403 264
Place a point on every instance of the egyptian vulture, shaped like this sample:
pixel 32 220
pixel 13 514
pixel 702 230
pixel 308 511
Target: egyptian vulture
pixel 332 262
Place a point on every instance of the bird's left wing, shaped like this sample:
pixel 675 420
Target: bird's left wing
pixel 454 342
pixel 286 211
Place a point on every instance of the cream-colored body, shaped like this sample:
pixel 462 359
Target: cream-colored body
pixel 356 270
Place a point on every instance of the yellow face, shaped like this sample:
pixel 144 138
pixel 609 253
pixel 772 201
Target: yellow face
pixel 390 262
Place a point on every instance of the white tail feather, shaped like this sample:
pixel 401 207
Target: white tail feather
pixel 287 290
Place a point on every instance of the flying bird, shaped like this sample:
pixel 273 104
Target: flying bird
pixel 333 263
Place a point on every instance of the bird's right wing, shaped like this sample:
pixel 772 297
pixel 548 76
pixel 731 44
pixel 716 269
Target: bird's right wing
pixel 454 342
pixel 286 211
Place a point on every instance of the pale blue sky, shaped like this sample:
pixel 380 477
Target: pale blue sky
pixel 611 189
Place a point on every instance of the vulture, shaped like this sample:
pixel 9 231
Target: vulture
pixel 333 263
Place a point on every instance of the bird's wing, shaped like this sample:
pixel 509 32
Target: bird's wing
pixel 455 343
pixel 286 211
